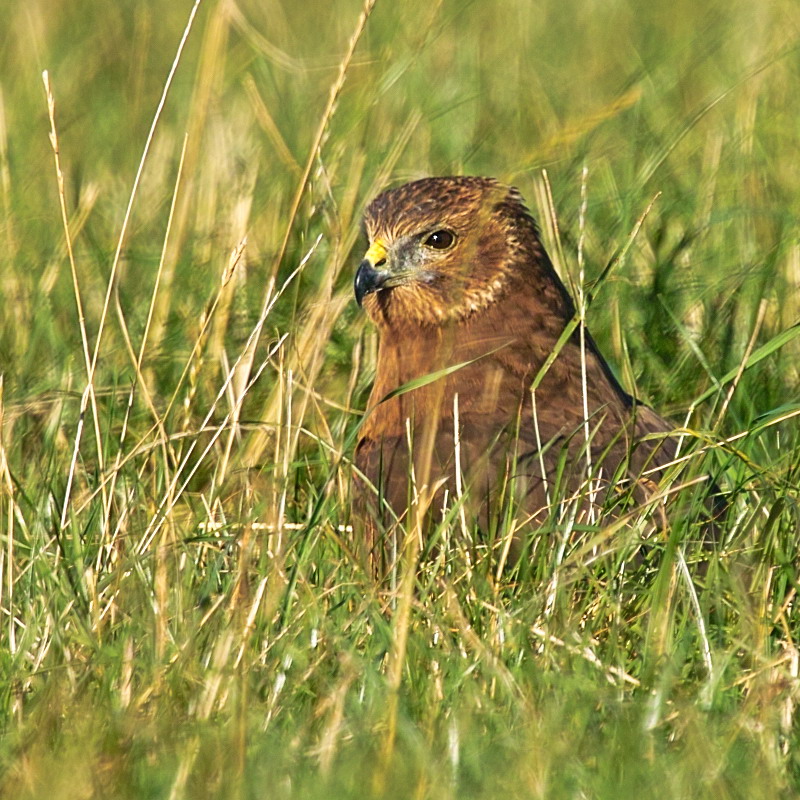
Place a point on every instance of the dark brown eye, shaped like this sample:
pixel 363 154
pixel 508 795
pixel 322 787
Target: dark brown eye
pixel 440 240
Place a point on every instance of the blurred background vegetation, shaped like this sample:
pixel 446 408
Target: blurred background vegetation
pixel 155 640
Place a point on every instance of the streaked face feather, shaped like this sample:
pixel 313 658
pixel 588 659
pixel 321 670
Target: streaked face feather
pixel 421 284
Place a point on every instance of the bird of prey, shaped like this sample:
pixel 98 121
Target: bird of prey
pixel 462 413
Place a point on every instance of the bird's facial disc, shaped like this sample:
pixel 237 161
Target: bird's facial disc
pixel 410 259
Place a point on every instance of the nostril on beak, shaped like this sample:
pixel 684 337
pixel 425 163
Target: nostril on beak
pixel 379 263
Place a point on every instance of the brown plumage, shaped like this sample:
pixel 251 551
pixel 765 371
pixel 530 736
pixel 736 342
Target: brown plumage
pixel 456 274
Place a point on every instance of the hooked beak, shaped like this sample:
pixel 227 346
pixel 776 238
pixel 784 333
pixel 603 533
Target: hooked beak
pixel 368 278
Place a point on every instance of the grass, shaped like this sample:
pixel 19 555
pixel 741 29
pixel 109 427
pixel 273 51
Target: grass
pixel 181 611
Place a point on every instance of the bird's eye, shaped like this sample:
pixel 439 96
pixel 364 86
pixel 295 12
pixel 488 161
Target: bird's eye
pixel 440 240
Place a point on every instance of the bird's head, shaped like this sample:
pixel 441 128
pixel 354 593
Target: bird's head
pixel 443 249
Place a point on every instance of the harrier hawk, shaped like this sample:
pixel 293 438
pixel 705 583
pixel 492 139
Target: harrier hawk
pixel 469 308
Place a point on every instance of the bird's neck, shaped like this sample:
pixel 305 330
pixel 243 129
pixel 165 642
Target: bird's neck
pixel 409 351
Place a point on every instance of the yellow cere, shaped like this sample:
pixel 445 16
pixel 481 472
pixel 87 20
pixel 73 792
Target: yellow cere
pixel 376 252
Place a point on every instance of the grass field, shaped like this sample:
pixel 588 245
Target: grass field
pixel 184 371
